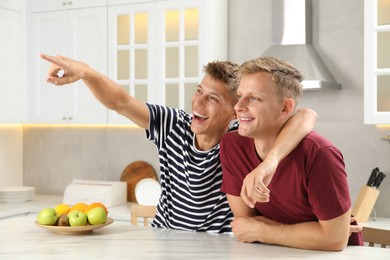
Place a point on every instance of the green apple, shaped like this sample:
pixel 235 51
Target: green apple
pixel 77 218
pixel 97 216
pixel 47 216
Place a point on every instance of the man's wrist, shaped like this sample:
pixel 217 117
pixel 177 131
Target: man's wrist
pixel 273 156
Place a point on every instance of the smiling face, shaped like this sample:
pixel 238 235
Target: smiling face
pixel 260 113
pixel 212 106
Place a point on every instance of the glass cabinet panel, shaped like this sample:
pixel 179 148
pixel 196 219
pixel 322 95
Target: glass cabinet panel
pixel 141 28
pixel 172 95
pixel 157 48
pixel 191 23
pixel 123 29
pixel 383 12
pixel 123 64
pixel 172 25
pixel 191 61
pixel 377 61
pixel 141 64
pixel 141 92
pixel 383 94
pixel 132 53
pixel 383 49
pixel 189 90
pixel 172 62
pixel 181 55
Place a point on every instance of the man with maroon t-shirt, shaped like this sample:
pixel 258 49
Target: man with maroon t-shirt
pixel 307 203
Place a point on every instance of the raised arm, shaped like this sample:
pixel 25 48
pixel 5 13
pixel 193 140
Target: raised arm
pixel 105 90
pixel 254 188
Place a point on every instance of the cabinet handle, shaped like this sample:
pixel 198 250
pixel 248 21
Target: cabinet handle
pixel 70 2
pixel 63 3
pixel 64 118
pixel 70 118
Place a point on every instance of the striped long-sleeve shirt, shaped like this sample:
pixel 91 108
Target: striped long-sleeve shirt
pixel 190 179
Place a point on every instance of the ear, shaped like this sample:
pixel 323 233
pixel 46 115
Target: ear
pixel 288 107
pixel 234 115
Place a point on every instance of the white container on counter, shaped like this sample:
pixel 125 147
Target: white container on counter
pixel 89 191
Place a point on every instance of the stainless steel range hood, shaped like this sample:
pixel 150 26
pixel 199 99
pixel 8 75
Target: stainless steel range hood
pixel 292 41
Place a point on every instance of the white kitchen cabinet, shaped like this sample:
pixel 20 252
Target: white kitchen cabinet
pixel 15 5
pixel 11 68
pixel 51 5
pixel 377 62
pixel 157 49
pixel 80 34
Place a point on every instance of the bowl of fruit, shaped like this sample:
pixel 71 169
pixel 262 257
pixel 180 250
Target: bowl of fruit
pixel 80 218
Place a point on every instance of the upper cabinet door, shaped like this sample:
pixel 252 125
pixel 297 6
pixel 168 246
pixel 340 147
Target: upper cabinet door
pixel 190 34
pixel 51 5
pixel 157 49
pixel 377 62
pixel 11 4
pixel 180 51
pixel 130 51
pixel 11 69
pixel 79 34
pixel 49 35
pixel 88 42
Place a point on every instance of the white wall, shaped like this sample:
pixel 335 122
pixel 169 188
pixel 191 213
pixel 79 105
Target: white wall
pixel 56 155
pixel 11 155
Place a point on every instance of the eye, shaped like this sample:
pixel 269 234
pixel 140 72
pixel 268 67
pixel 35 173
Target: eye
pixel 198 91
pixel 254 99
pixel 213 98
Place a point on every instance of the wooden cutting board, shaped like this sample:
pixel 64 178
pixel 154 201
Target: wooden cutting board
pixel 133 173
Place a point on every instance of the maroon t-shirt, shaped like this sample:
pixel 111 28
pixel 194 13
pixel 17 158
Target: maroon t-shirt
pixel 310 184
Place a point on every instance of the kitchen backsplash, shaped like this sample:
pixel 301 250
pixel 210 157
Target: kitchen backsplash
pixel 11 155
pixel 55 155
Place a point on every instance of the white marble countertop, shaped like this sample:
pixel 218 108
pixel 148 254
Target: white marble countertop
pixel 20 238
pixel 377 222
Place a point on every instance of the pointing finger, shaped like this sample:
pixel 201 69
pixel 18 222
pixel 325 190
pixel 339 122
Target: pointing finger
pixel 55 60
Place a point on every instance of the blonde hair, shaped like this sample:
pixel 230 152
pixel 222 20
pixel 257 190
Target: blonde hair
pixel 286 78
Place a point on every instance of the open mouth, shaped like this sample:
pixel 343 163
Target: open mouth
pixel 199 116
pixel 246 119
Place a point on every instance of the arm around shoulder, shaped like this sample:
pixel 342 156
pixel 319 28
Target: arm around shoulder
pixel 292 133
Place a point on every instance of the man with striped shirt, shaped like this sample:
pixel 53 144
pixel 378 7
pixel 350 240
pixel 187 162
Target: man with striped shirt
pixel 188 145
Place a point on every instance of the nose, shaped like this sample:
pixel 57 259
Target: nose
pixel 240 105
pixel 198 99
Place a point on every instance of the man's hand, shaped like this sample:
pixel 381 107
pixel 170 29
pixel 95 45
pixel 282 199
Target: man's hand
pixel 354 228
pixel 64 70
pixel 250 229
pixel 254 188
pixel 244 229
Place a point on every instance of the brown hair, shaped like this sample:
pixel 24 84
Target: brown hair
pixel 224 71
pixel 286 78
